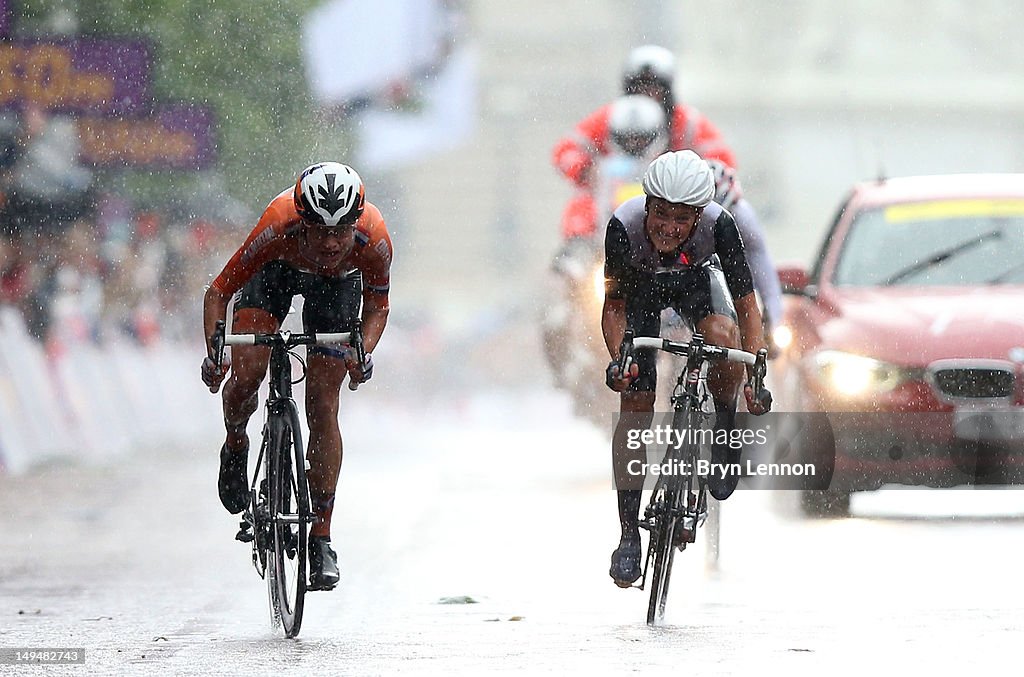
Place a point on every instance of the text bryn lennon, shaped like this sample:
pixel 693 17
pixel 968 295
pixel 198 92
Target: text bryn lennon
pixel 706 468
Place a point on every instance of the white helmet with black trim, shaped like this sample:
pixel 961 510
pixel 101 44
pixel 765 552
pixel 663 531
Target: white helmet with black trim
pixel 637 126
pixel 329 194
pixel 680 177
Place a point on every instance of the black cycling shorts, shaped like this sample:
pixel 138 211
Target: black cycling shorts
pixel 331 304
pixel 702 291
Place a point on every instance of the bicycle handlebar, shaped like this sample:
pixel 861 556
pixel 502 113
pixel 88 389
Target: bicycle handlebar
pixel 288 339
pixel 759 362
pixel 712 352
pixel 352 338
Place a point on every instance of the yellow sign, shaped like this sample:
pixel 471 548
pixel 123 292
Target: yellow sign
pixel 948 209
pixel 80 75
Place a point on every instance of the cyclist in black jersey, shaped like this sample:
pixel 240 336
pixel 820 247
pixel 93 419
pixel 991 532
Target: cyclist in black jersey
pixel 676 248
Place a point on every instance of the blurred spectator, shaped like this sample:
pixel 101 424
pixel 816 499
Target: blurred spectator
pixel 10 146
pixel 75 287
pixel 79 271
pixel 46 187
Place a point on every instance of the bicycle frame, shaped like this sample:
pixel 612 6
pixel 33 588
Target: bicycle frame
pixel 671 495
pixel 280 406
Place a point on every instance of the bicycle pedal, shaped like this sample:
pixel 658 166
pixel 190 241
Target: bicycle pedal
pixel 683 535
pixel 315 585
pixel 244 534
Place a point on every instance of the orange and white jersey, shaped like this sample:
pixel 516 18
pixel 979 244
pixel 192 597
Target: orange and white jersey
pixel 278 236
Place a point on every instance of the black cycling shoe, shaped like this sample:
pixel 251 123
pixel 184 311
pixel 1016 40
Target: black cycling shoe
pixel 233 484
pixel 625 567
pixel 323 564
pixel 722 487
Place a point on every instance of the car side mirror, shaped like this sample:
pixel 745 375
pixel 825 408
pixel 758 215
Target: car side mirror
pixel 794 280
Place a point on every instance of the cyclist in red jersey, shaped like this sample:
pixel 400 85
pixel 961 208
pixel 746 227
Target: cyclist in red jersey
pixel 320 239
pixel 650 71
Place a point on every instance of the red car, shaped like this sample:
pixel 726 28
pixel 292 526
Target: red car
pixel 909 332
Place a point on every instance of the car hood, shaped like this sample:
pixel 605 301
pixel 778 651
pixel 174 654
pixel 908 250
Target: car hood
pixel 915 326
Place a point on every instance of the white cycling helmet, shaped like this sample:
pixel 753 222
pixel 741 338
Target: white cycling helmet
pixel 650 62
pixel 329 194
pixel 681 177
pixel 637 126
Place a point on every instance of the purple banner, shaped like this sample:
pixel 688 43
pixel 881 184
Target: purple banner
pixel 175 136
pixel 91 76
pixel 5 18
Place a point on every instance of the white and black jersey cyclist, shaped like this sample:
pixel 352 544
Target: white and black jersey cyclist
pixel 675 248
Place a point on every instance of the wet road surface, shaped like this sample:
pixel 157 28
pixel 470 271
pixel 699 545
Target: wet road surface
pixel 476 539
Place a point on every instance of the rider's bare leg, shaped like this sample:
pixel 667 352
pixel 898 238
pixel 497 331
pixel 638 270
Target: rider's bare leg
pixel 724 377
pixel 323 385
pixel 636 409
pixel 248 368
pixel 724 380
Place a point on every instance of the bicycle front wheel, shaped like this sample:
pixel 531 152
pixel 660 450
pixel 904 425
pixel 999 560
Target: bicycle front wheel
pixel 663 551
pixel 670 509
pixel 290 519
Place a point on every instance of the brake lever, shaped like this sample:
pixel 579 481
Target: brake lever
pixel 217 341
pixel 758 373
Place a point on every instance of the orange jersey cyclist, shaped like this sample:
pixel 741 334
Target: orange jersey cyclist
pixel 320 239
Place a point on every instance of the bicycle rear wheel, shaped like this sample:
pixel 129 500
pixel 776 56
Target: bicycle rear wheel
pixel 290 519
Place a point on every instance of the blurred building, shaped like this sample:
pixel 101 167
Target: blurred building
pixel 811 95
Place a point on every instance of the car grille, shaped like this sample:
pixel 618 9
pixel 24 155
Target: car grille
pixel 966 381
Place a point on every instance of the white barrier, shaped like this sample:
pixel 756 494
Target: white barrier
pixel 95 403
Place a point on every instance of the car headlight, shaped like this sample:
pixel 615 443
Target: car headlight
pixel 782 337
pixel 855 375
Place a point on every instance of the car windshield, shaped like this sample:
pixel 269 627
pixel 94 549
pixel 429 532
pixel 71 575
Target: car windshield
pixel 935 243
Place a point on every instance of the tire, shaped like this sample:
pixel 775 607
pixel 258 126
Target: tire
pixel 825 503
pixel 290 519
pixel 664 553
pixel 663 535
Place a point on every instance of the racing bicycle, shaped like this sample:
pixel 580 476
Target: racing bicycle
pixel 679 502
pixel 278 518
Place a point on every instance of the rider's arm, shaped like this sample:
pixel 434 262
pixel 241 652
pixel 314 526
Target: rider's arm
pixel 616 271
pixel 375 263
pixel 613 325
pixel 729 247
pixel 574 154
pixel 215 308
pixel 748 316
pixel 766 279
pixel 375 318
pixel 259 247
